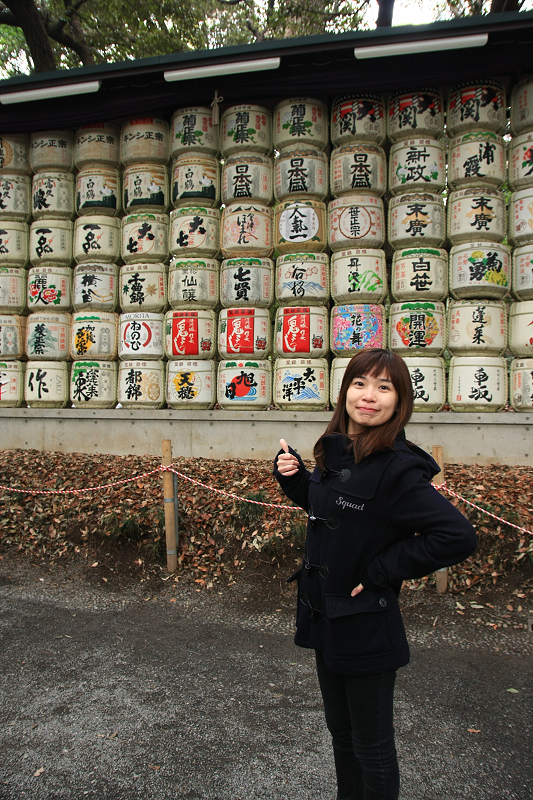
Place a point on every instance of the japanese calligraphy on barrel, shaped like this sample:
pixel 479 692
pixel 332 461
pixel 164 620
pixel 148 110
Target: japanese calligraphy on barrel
pixel 52 150
pixel 13 299
pixel 98 142
pixel 48 336
pixel 358 117
pixel 246 230
pixel 192 129
pixel 247 282
pixel 300 226
pixel 193 283
pixel 415 113
pixel 143 287
pixel 522 106
pixel 301 331
pixel 141 384
pixel 476 105
pixel 244 384
pixel 15 153
pixel 191 384
pixel 97 239
pixel 15 197
pixel 53 195
pixel 520 384
pixel 475 214
pixel 300 120
pixel 98 190
pixel 477 158
pixel 419 273
pixel 195 179
pixel 417 328
pixel 523 272
pixel 477 383
pixel 144 237
pixel 11 384
pixel 194 231
pixel 521 217
pixel 302 279
pixel 521 161
pixel 247 177
pixel 357 326
pixel 93 384
pixel 190 334
pixel 417 165
pixel 141 335
pixel 521 329
pixel 51 242
pixel 12 337
pixel 428 376
pixel 481 270
pixel 145 188
pixel 14 243
pixel 477 327
pixel 246 128
pixel 95 286
pixel 338 368
pixel 301 173
pixel 358 168
pixel 46 384
pixel 358 275
pixel 301 384
pixel 144 139
pixel 356 220
pixel 94 334
pixel 244 332
pixel 49 288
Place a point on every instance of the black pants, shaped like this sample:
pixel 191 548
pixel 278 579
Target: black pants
pixel 359 717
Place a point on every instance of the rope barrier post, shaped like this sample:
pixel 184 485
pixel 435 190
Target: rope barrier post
pixel 168 495
pixel 441 575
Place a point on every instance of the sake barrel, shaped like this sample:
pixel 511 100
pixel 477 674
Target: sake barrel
pixel 15 197
pixel 302 279
pixel 93 383
pixel 195 179
pixel 48 336
pixel 244 385
pixel 98 142
pixel 246 128
pixel 141 335
pixel 481 270
pixel 417 328
pixel 521 384
pixel 145 237
pixel 247 282
pixel 191 384
pixel 97 238
pixel 338 368
pixel 300 226
pixel 477 327
pixel 94 334
pixel 244 332
pixel 301 172
pixel 521 162
pixel 247 177
pixel 300 120
pixel 301 331
pixel 192 129
pixel 521 329
pixel 49 288
pixel 46 384
pixel 475 214
pixel 477 158
pixel 521 217
pixel 190 334
pixel 417 165
pixel 358 168
pixel 246 230
pixel 12 337
pixel 428 376
pixel 51 242
pixel 145 188
pixel 476 105
pixel 357 326
pixel 356 220
pixel 53 195
pixel 143 287
pixel 13 299
pixel 141 384
pixel 522 106
pixel 420 273
pixel 358 117
pixel 52 150
pixel 477 384
pixel 195 231
pixel 358 275
pixel 11 384
pixel 14 241
pixel 95 287
pixel 144 139
pixel 523 272
pixel 415 113
pixel 15 153
pixel 193 283
pixel 301 384
pixel 98 190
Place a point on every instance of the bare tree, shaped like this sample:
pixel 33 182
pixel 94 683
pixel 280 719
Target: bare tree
pixel 386 10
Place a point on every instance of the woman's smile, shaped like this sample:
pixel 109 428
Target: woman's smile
pixel 370 401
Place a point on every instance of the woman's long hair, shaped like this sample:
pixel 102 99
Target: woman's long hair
pixel 376 363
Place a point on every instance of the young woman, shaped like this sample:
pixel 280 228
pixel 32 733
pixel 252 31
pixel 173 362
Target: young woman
pixel 374 521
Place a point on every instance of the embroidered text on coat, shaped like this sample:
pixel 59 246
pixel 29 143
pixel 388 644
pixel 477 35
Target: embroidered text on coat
pixel 344 503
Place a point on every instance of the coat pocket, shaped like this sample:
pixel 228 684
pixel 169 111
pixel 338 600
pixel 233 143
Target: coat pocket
pixel 360 626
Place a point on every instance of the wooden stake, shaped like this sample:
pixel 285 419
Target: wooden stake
pixel 168 494
pixel 441 575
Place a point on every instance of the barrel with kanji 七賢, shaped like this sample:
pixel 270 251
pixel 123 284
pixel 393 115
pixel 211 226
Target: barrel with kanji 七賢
pixel 247 282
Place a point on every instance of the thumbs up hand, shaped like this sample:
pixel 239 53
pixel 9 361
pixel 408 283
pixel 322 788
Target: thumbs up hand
pixel 287 463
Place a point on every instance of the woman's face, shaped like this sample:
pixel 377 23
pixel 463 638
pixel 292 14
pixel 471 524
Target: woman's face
pixel 370 401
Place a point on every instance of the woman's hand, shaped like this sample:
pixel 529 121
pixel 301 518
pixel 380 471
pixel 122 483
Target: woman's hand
pixel 359 588
pixel 287 463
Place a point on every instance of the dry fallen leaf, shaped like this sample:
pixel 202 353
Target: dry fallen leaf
pixel 473 730
pixel 38 772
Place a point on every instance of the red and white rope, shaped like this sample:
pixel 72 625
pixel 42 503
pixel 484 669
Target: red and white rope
pixel 443 487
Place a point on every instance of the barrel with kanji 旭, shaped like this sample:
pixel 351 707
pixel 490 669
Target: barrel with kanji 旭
pixel 477 158
pixel 244 332
pixel 97 142
pixel 143 287
pixel 522 107
pixel 144 139
pixel 301 172
pixel 46 384
pixel 98 190
pixel 94 335
pixel 192 129
pixel 246 128
pixel 195 179
pixel 145 188
pixel 477 383
pixel 523 272
pixel 300 226
pixel 419 273
pixel 51 242
pixel 428 376
pixel 141 335
pixel 15 197
pixel 477 105
pixel 301 331
pixel 417 165
pixel 14 243
pixel 521 329
pixel 244 384
pixel 356 220
pixel 416 220
pixel 359 168
pixel 300 120
pixel 358 275
pixel 93 383
pixel 358 118
pixel 145 237
pixel 476 214
pixel 53 195
pixel 49 288
pixel 480 270
pixel 246 230
pixel 97 238
pixel 13 298
pixel 191 384
pixel 477 327
pixel 195 231
pixel 415 113
pixel 302 279
pixel 193 282
pixel 417 328
pixel 48 336
pixel 15 153
pixel 12 383
pixel 521 384
pixel 190 334
pixel 12 337
pixel 357 326
pixel 95 286
pixel 521 217
pixel 301 384
pixel 52 150
pixel 141 384
pixel 247 177
pixel 338 368
pixel 247 282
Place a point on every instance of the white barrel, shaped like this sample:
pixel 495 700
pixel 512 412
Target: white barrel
pixel 11 384
pixel 358 168
pixel 13 298
pixel 191 384
pixel 475 214
pixel 52 150
pixel 51 242
pixel 143 287
pixel 145 237
pixel 300 120
pixel 141 384
pixel 144 139
pixel 358 117
pixel 247 282
pixel 357 326
pixel 419 273
pixel 300 226
pixel 98 190
pixel 415 113
pixel 244 385
pixel 302 279
pixel 193 129
pixel 520 384
pixel 246 230
pixel 93 383
pixel 246 128
pixel 97 238
pixel 12 337
pixel 301 173
pixel 14 243
pixel 338 368
pixel 521 329
pixel 145 188
pixel 15 153
pixel 48 336
pixel 301 331
pixel 15 197
pixel 193 283
pixel 476 105
pixel 98 142
pixel 141 335
pixel 195 231
pixel 417 328
pixel 53 195
pixel 416 218
pixel 244 332
pixel 49 288
pixel 428 376
pixel 477 384
pixel 523 272
pixel 522 106
pixel 195 179
pixel 94 334
pixel 356 220
pixel 95 287
pixel 247 177
pixel 358 275
pixel 477 327
pixel 480 269
pixel 521 162
pixel 417 165
pixel 521 217
pixel 190 334
pixel 46 384
pixel 477 158
pixel 301 384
